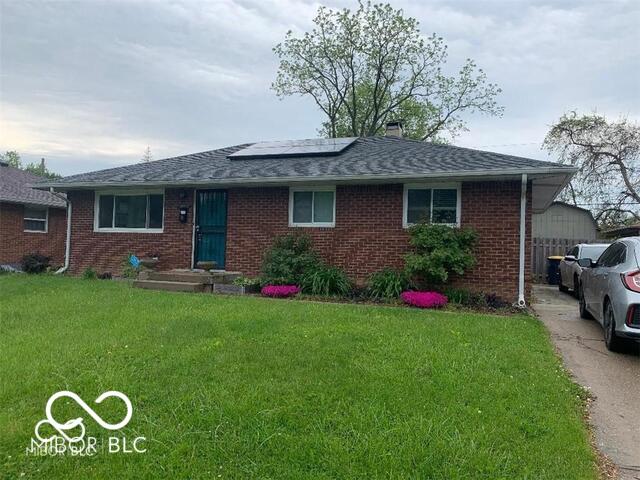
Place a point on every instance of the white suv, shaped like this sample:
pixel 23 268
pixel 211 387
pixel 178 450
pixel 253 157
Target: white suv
pixel 570 271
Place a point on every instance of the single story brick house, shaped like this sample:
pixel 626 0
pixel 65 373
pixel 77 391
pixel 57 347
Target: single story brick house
pixel 355 197
pixel 31 221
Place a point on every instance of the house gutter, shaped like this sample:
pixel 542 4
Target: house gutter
pixel 383 178
pixel 523 231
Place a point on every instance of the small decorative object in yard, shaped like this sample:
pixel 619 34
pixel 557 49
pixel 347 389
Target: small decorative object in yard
pixel 148 262
pixel 130 266
pixel 280 291
pixel 6 268
pixel 241 286
pixel 206 265
pixel 233 289
pixel 424 299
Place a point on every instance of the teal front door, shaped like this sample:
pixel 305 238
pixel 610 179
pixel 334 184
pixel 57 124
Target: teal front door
pixel 211 226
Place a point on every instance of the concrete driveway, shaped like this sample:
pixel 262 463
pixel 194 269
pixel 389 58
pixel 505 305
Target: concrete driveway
pixel 612 378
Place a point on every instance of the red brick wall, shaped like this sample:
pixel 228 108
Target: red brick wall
pixel 493 210
pixel 367 237
pixel 15 242
pixel 106 251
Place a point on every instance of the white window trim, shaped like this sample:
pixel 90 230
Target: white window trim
pixel 46 221
pixel 292 190
pixel 96 208
pixel 412 186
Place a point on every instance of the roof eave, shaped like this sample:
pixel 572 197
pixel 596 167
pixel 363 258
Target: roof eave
pixel 34 203
pixel 379 178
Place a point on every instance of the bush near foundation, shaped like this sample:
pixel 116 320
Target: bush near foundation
pixel 424 299
pixel 289 260
pixel 280 291
pixel 35 263
pixel 440 251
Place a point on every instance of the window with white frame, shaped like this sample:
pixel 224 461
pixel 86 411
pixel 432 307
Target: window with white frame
pixel 312 207
pixel 129 211
pixel 36 219
pixel 431 204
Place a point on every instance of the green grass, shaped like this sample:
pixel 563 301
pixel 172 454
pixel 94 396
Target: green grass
pixel 226 387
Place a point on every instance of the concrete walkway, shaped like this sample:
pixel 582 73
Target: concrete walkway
pixel 612 378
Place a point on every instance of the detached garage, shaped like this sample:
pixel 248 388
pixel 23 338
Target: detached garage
pixel 556 230
pixel 564 221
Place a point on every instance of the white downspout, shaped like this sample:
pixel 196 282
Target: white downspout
pixel 67 245
pixel 523 231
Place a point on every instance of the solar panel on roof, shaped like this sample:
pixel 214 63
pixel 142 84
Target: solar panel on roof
pixel 295 148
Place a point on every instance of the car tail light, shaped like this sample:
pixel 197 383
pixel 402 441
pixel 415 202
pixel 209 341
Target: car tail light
pixel 633 316
pixel 631 280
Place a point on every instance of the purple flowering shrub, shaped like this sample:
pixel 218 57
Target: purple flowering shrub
pixel 280 291
pixel 424 299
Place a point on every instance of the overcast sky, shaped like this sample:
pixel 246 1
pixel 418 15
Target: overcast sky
pixel 90 84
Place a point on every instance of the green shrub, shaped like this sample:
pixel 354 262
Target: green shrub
pixel 326 280
pixel 35 263
pixel 358 294
pixel 467 298
pixel 439 251
pixel 89 274
pixel 492 300
pixel 288 261
pixel 388 283
pixel 464 297
pixel 243 281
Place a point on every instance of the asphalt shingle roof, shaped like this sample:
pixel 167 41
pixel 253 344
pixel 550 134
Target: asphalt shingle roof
pixel 14 188
pixel 370 156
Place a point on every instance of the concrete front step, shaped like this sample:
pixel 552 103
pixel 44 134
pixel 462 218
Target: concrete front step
pixel 204 278
pixel 169 286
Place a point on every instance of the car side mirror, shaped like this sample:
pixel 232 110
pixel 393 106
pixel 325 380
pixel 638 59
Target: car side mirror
pixel 570 258
pixel 586 263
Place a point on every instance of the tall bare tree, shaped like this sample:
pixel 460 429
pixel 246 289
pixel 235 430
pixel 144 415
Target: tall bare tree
pixel 366 67
pixel 607 154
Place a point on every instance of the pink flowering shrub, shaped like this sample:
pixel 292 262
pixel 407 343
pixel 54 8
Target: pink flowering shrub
pixel 424 299
pixel 280 291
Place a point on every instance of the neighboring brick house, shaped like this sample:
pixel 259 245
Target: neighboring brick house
pixel 31 221
pixel 354 197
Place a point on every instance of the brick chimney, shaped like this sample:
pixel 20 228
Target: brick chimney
pixel 394 129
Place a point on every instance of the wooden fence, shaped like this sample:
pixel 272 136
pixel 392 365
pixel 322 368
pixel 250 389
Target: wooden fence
pixel 541 248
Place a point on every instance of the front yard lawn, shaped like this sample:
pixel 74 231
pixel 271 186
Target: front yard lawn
pixel 226 387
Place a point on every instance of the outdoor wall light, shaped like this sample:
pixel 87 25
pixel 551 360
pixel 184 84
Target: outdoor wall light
pixel 184 212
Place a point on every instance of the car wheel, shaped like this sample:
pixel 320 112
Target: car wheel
pixel 611 340
pixel 584 313
pixel 576 287
pixel 561 286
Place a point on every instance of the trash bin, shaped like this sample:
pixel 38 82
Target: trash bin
pixel 553 269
